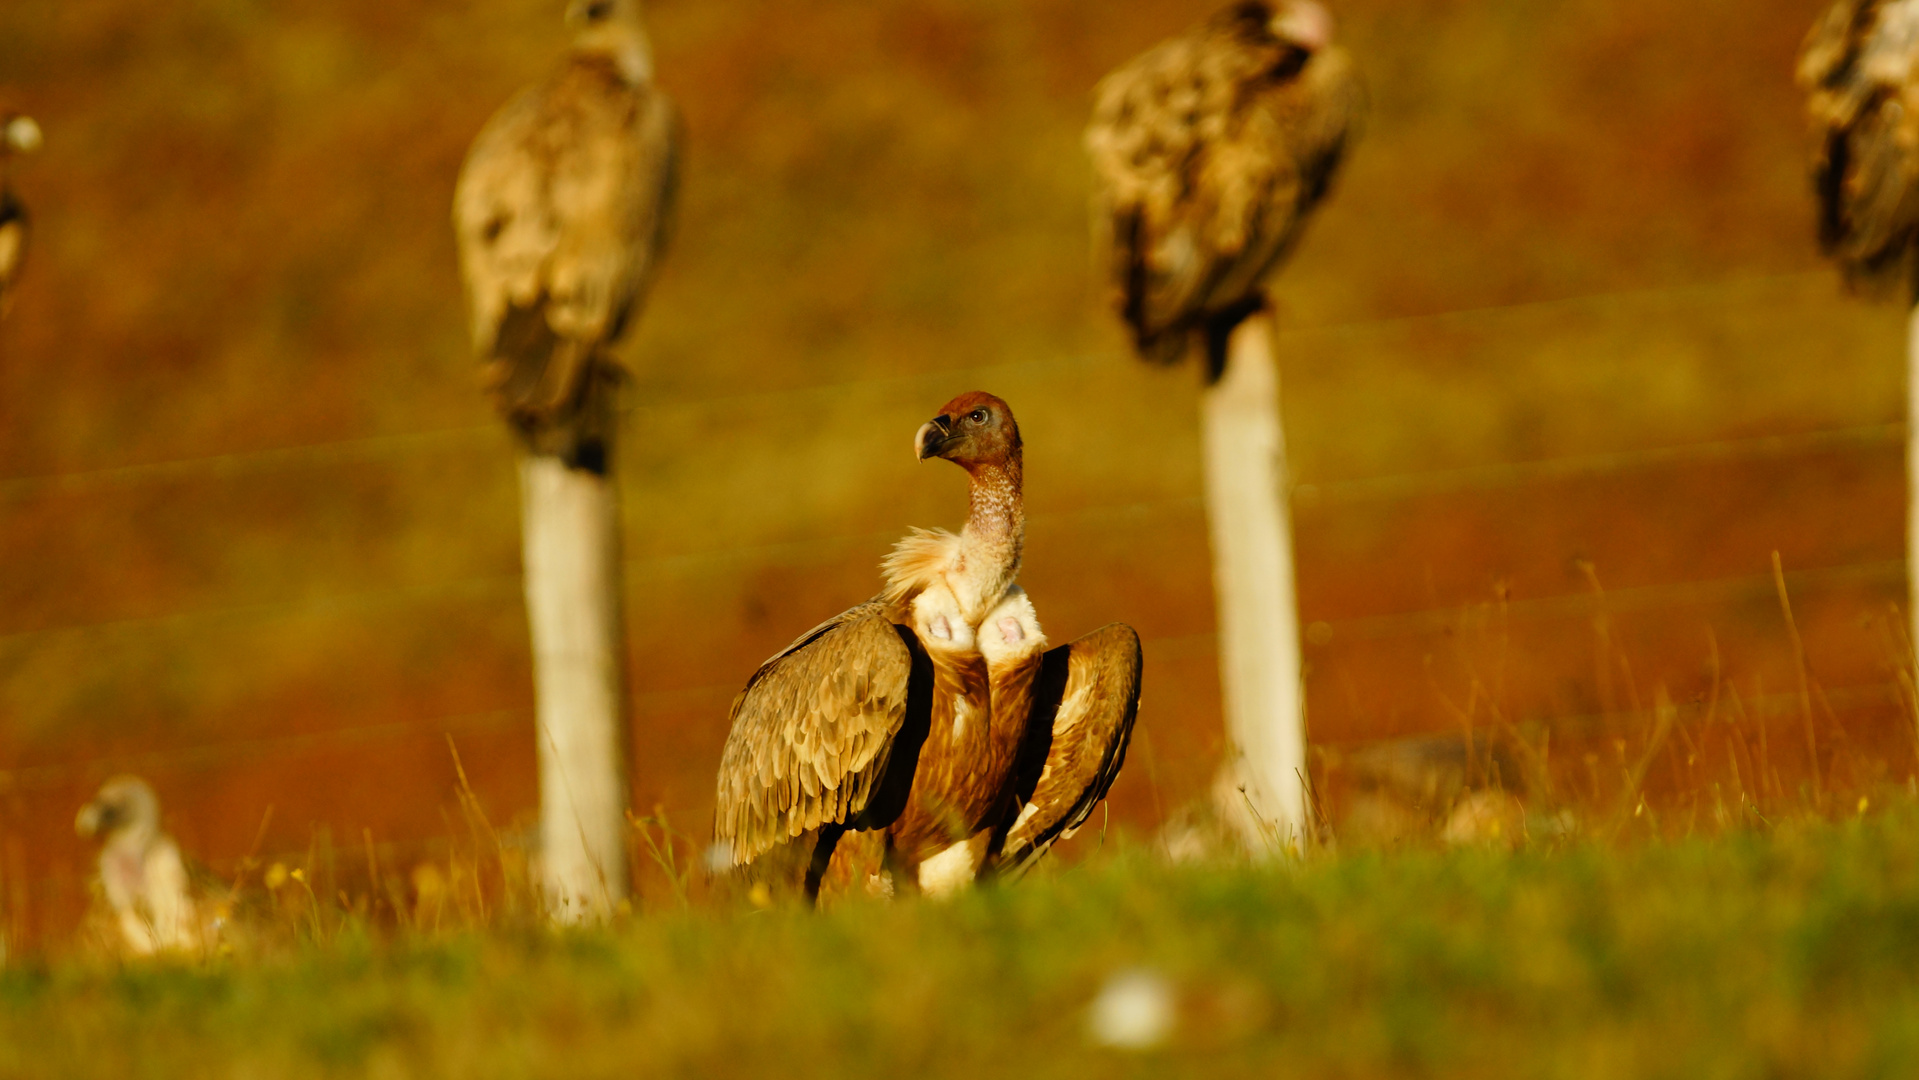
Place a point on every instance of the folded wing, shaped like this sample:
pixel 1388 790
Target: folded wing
pixel 816 729
pixel 1208 153
pixel 1857 68
pixel 562 211
pixel 1084 704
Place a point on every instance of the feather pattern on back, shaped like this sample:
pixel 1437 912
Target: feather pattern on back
pixel 1857 68
pixel 1208 153
pixel 563 209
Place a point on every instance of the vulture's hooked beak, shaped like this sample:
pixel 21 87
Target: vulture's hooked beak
pixel 933 436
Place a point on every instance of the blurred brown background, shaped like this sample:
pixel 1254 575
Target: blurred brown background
pixel 258 530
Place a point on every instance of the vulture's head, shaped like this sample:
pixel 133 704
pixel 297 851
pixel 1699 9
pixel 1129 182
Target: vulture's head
pixel 125 806
pixel 18 134
pixel 612 28
pixel 1303 23
pixel 1302 26
pixel 971 430
pixel 581 14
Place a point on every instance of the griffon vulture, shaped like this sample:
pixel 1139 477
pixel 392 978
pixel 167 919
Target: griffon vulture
pixel 18 135
pixel 1857 68
pixel 141 871
pixel 933 713
pixel 562 212
pixel 1863 102
pixel 1208 152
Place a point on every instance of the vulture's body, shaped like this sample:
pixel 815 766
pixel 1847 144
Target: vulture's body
pixel 1208 153
pixel 141 872
pixel 934 713
pixel 1858 68
pixel 562 212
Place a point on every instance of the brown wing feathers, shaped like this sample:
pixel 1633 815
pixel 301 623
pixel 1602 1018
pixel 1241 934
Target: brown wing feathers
pixel 816 731
pixel 1208 152
pixel 1085 701
pixel 562 210
pixel 1857 67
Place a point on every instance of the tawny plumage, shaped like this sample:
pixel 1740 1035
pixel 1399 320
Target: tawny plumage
pixel 563 209
pixel 1090 689
pixel 1857 67
pixel 815 730
pixel 142 875
pixel 1208 152
pixel 18 135
pixel 908 714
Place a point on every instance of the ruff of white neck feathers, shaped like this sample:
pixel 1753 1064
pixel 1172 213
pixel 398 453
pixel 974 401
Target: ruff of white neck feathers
pixel 979 564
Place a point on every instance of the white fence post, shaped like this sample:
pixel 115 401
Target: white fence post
pixel 570 522
pixel 1248 512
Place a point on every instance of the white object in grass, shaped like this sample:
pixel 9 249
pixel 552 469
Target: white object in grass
pixel 1134 1011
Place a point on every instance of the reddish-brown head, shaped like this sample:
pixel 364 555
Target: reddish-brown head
pixel 1304 23
pixel 971 430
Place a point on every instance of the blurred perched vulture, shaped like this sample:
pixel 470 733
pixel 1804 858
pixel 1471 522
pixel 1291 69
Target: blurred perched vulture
pixel 141 871
pixel 1863 101
pixel 562 212
pixel 1208 152
pixel 933 713
pixel 18 135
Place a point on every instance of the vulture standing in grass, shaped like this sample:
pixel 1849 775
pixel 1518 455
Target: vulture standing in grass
pixel 18 135
pixel 934 713
pixel 562 213
pixel 1209 151
pixel 141 872
pixel 1857 68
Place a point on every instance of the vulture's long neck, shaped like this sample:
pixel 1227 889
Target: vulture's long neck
pixel 994 535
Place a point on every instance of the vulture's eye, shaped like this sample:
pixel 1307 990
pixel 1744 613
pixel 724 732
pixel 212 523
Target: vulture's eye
pixel 978 417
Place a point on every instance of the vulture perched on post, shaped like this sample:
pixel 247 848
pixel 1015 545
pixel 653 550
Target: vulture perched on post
pixel 562 212
pixel 141 872
pixel 1862 99
pixel 934 713
pixel 18 135
pixel 1209 151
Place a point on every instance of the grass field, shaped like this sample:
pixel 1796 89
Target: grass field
pixel 1784 950
pixel 262 528
pixel 1573 405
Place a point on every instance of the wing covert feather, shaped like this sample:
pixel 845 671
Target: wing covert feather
pixel 813 732
pixel 1085 706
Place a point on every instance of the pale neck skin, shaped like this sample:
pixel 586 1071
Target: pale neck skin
pixel 991 542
